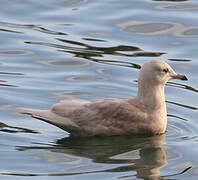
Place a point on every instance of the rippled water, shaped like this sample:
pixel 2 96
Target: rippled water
pixel 64 49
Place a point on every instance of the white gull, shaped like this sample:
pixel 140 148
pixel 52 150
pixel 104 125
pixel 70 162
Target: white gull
pixel 145 114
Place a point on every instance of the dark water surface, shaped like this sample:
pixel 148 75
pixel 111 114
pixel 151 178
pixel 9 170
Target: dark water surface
pixel 88 49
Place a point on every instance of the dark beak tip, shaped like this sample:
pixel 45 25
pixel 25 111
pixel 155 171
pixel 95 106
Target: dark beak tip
pixel 180 77
pixel 184 78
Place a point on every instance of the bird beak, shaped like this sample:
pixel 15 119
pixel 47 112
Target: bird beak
pixel 179 76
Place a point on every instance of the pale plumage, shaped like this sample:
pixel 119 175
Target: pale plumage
pixel 145 114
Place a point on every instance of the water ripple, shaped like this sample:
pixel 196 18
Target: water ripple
pixel 35 27
pixel 13 129
pixel 179 85
pixel 65 63
pixel 178 131
pixel 183 105
pixel 15 52
pixel 159 28
pixel 177 6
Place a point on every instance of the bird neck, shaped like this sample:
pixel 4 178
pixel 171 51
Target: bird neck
pixel 152 96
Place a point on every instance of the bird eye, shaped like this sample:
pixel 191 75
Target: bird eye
pixel 165 70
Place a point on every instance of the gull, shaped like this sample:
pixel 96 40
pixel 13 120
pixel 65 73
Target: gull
pixel 144 114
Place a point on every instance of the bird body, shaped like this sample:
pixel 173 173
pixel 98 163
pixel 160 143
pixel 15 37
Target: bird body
pixel 145 114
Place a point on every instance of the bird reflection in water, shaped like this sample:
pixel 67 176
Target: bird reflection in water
pixel 139 156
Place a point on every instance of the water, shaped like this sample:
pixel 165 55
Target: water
pixel 54 50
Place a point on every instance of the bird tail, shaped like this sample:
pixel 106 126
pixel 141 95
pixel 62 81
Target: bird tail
pixel 52 118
